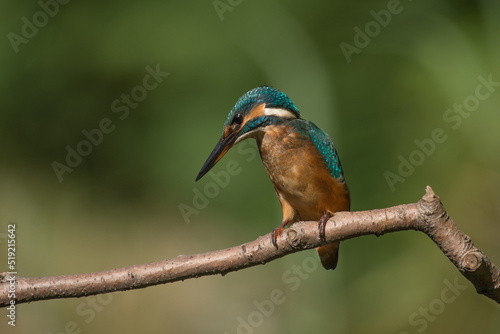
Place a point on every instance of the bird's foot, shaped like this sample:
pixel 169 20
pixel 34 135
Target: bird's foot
pixel 276 233
pixel 322 225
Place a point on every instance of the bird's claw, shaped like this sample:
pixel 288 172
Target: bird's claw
pixel 322 225
pixel 274 236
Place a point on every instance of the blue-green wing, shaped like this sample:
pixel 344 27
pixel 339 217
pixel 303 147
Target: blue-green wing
pixel 325 146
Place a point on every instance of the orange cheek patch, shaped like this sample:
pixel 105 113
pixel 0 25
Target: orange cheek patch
pixel 255 112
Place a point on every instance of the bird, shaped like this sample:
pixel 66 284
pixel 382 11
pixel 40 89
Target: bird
pixel 300 160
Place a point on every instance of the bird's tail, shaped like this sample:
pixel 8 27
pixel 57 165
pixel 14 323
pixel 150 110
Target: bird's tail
pixel 329 255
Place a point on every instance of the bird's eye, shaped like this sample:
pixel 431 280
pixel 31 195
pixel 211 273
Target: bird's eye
pixel 238 119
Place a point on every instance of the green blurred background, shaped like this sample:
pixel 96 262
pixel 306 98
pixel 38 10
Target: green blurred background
pixel 121 205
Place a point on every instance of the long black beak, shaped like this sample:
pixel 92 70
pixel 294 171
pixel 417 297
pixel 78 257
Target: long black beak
pixel 220 149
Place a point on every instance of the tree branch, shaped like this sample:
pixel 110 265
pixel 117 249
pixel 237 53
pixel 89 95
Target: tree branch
pixel 428 216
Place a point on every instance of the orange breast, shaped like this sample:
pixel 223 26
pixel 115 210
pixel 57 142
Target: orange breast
pixel 300 176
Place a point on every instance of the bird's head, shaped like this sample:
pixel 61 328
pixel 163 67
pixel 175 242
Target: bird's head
pixel 254 111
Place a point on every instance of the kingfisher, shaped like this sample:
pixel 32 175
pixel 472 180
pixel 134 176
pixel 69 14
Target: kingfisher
pixel 299 158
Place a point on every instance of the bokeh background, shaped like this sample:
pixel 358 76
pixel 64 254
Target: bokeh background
pixel 121 205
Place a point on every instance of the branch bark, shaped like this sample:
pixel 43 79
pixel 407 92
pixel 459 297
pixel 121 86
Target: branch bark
pixel 428 216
